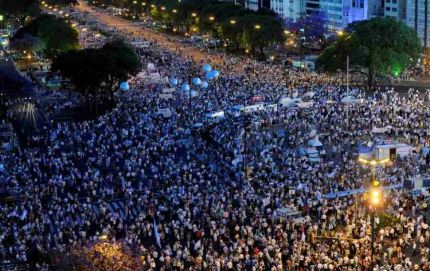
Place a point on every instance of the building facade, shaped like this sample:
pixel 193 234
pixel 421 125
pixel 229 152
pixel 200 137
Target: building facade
pixel 417 17
pixel 339 12
pixel 288 9
pixel 257 4
pixel 395 9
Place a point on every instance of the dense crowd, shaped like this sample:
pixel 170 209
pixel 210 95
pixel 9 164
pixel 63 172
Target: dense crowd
pixel 216 188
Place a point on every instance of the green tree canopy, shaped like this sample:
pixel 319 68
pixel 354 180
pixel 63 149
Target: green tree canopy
pixel 19 8
pixel 98 71
pixel 260 31
pixel 232 31
pixel 61 2
pixel 122 63
pixel 57 35
pixel 380 46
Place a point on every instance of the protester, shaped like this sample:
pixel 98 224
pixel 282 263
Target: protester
pixel 134 169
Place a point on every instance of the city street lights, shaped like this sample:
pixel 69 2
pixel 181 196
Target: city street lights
pixel 233 22
pixel 375 197
pixel 375 201
pixel 194 14
pixel 211 18
pixel 1 21
pixel 257 27
pixel 373 163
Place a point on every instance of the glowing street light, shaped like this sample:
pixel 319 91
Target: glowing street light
pixel 375 202
pixel 257 26
pixel 174 11
pixel 373 163
pixel 232 21
pixel 194 14
pixel 286 32
pixel 340 33
pixel 375 197
pixel 211 18
pixel 163 8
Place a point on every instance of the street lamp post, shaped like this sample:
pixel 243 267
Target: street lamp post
pixel 373 163
pixel 1 22
pixel 375 199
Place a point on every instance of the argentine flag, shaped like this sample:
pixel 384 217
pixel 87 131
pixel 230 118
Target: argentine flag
pixel 156 234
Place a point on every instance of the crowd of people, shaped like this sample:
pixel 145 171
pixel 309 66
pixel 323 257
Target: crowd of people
pixel 188 192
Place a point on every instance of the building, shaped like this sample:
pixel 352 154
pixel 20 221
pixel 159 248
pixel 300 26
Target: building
pixel 257 4
pixel 288 9
pixel 417 17
pixel 395 9
pixel 339 12
pixel 376 8
pixel 236 2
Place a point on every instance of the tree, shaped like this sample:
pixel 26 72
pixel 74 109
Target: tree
pixel 261 31
pixel 111 257
pixel 333 58
pixel 57 36
pixel 61 2
pixel 378 46
pixel 213 15
pixel 312 27
pixel 28 43
pixel 19 8
pixel 232 30
pixel 122 63
pixel 101 256
pixel 99 71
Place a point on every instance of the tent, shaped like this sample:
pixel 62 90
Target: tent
pixel 305 104
pixel 381 130
pixel 392 151
pixel 351 100
pixel 289 102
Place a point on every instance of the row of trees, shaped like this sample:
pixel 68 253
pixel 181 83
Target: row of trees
pixel 21 9
pixel 101 256
pixel 98 72
pixel 238 27
pixel 380 46
pixel 47 34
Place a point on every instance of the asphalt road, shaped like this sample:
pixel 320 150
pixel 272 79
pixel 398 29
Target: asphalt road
pixel 169 43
